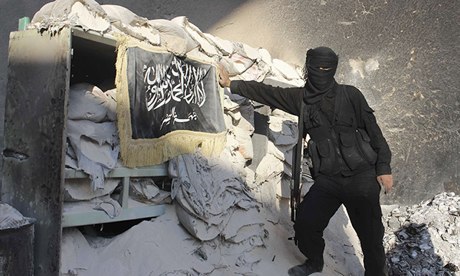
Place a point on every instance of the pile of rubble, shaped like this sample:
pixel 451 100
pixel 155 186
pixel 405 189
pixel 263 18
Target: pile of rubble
pixel 424 239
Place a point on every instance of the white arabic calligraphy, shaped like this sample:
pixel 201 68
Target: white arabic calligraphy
pixel 172 118
pixel 179 81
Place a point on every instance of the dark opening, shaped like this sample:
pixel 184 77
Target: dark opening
pixel 93 62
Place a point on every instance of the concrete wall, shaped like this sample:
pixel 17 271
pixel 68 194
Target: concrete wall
pixel 403 55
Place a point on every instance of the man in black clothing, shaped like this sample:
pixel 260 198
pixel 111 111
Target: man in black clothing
pixel 350 156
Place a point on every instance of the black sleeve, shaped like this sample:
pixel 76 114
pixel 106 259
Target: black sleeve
pixel 367 120
pixel 286 99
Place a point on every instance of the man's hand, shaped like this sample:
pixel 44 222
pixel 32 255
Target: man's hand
pixel 224 78
pixel 386 181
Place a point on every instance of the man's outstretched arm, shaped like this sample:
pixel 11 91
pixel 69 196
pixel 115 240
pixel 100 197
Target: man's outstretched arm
pixel 286 99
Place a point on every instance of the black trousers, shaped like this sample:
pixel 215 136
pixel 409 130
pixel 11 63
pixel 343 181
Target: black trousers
pixel 360 196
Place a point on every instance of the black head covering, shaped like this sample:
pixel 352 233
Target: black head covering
pixel 319 82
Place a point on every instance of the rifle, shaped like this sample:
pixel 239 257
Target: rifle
pixel 297 168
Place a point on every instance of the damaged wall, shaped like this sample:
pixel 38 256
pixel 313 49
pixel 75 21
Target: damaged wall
pixel 402 55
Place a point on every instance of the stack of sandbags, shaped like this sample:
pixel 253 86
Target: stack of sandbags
pixel 92 147
pixel 239 121
pixel 212 199
pixel 215 205
pixel 89 15
pixel 92 132
pixel 177 36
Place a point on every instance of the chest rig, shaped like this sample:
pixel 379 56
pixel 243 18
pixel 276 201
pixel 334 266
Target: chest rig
pixel 337 146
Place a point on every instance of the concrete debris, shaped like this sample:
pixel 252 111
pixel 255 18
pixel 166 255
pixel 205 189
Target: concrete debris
pixel 424 239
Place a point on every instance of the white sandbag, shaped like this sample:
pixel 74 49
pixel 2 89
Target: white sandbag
pixel 81 16
pixel 269 167
pixel 110 206
pixel 286 70
pixel 209 190
pixel 254 73
pixel 173 37
pixel 195 226
pixel 245 143
pixel 283 132
pixel 125 21
pixel 225 47
pixel 96 147
pixel 228 104
pixel 87 14
pixel 265 56
pixel 284 115
pixel 283 188
pixel 46 11
pixel 111 104
pixel 275 151
pixel 88 102
pixel 247 51
pixel 232 154
pixel 124 15
pixel 206 46
pixel 247 232
pixel 228 120
pixel 144 33
pixel 100 133
pixel 80 189
pixel 143 189
pixel 244 124
pixel 238 220
pixel 239 64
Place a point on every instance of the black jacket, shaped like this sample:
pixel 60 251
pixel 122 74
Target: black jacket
pixel 347 109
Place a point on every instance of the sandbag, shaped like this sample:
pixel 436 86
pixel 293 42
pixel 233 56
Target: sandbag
pixel 88 102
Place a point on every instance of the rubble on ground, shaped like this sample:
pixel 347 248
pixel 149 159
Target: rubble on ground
pixel 424 239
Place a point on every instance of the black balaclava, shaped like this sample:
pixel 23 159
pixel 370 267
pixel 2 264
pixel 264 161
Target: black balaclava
pixel 319 82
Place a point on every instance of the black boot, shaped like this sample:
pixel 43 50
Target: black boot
pixel 307 268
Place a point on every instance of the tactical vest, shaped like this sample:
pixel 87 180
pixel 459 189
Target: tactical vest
pixel 338 146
